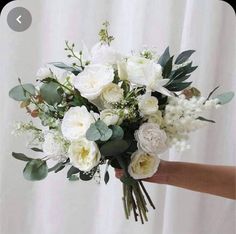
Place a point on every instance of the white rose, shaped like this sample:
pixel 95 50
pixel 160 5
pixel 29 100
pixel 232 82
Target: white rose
pixel 76 122
pixel 104 54
pixel 148 104
pixel 142 71
pixel 143 165
pixel 151 138
pixel 54 146
pixel 84 154
pixel 112 93
pixel 43 72
pixel 110 117
pixel 93 79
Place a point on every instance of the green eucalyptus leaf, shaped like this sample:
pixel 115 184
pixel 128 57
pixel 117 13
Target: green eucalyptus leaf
pixel 117 132
pixel 224 98
pixel 35 170
pixel 21 157
pixel 22 92
pixel 93 134
pixel 50 93
pixel 184 56
pixel 73 178
pixel 206 120
pixel 114 148
pixel 105 132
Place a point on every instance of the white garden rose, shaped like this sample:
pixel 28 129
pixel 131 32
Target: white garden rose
pixel 84 154
pixel 151 138
pixel 104 54
pixel 54 146
pixel 147 104
pixel 142 71
pixel 110 117
pixel 93 79
pixel 143 165
pixel 112 93
pixel 76 122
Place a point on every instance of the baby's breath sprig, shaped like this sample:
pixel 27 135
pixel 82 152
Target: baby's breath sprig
pixel 105 38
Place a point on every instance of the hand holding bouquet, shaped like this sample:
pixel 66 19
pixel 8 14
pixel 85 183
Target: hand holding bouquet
pixel 106 108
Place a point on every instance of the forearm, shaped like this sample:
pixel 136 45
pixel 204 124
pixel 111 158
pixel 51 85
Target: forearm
pixel 217 180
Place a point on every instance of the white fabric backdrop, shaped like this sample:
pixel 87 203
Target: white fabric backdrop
pixel 56 206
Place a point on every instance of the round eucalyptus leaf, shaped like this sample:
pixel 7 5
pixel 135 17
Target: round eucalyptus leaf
pixel 117 132
pixel 22 92
pixel 35 169
pixel 225 97
pixel 51 93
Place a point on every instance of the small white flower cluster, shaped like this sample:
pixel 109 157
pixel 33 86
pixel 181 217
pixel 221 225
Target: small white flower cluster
pixel 181 117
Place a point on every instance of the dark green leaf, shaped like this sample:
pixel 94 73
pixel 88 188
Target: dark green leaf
pixel 224 98
pixel 117 132
pixel 60 168
pixel 86 176
pixel 167 68
pixel 36 149
pixel 126 87
pixel 21 157
pixel 106 177
pixel 178 86
pixel 114 148
pixel 66 67
pixel 72 171
pixel 164 57
pixel 50 93
pixel 56 167
pixel 22 92
pixel 35 169
pixel 210 94
pixel 204 119
pixel 184 56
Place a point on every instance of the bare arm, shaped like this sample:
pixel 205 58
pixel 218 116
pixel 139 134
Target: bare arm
pixel 216 180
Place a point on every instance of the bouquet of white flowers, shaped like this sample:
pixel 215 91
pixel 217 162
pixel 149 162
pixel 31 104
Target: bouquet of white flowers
pixel 123 111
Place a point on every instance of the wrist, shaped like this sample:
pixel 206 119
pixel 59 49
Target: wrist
pixel 162 176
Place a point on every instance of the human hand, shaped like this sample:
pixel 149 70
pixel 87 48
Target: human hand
pixel 158 177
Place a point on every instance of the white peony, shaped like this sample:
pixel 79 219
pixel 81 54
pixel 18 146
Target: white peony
pixel 43 72
pixel 147 104
pixel 112 93
pixel 110 117
pixel 104 54
pixel 76 122
pixel 93 79
pixel 143 165
pixel 54 146
pixel 84 154
pixel 142 71
pixel 151 138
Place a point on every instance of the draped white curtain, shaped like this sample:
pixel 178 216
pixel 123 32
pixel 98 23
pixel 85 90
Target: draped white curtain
pixel 56 206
